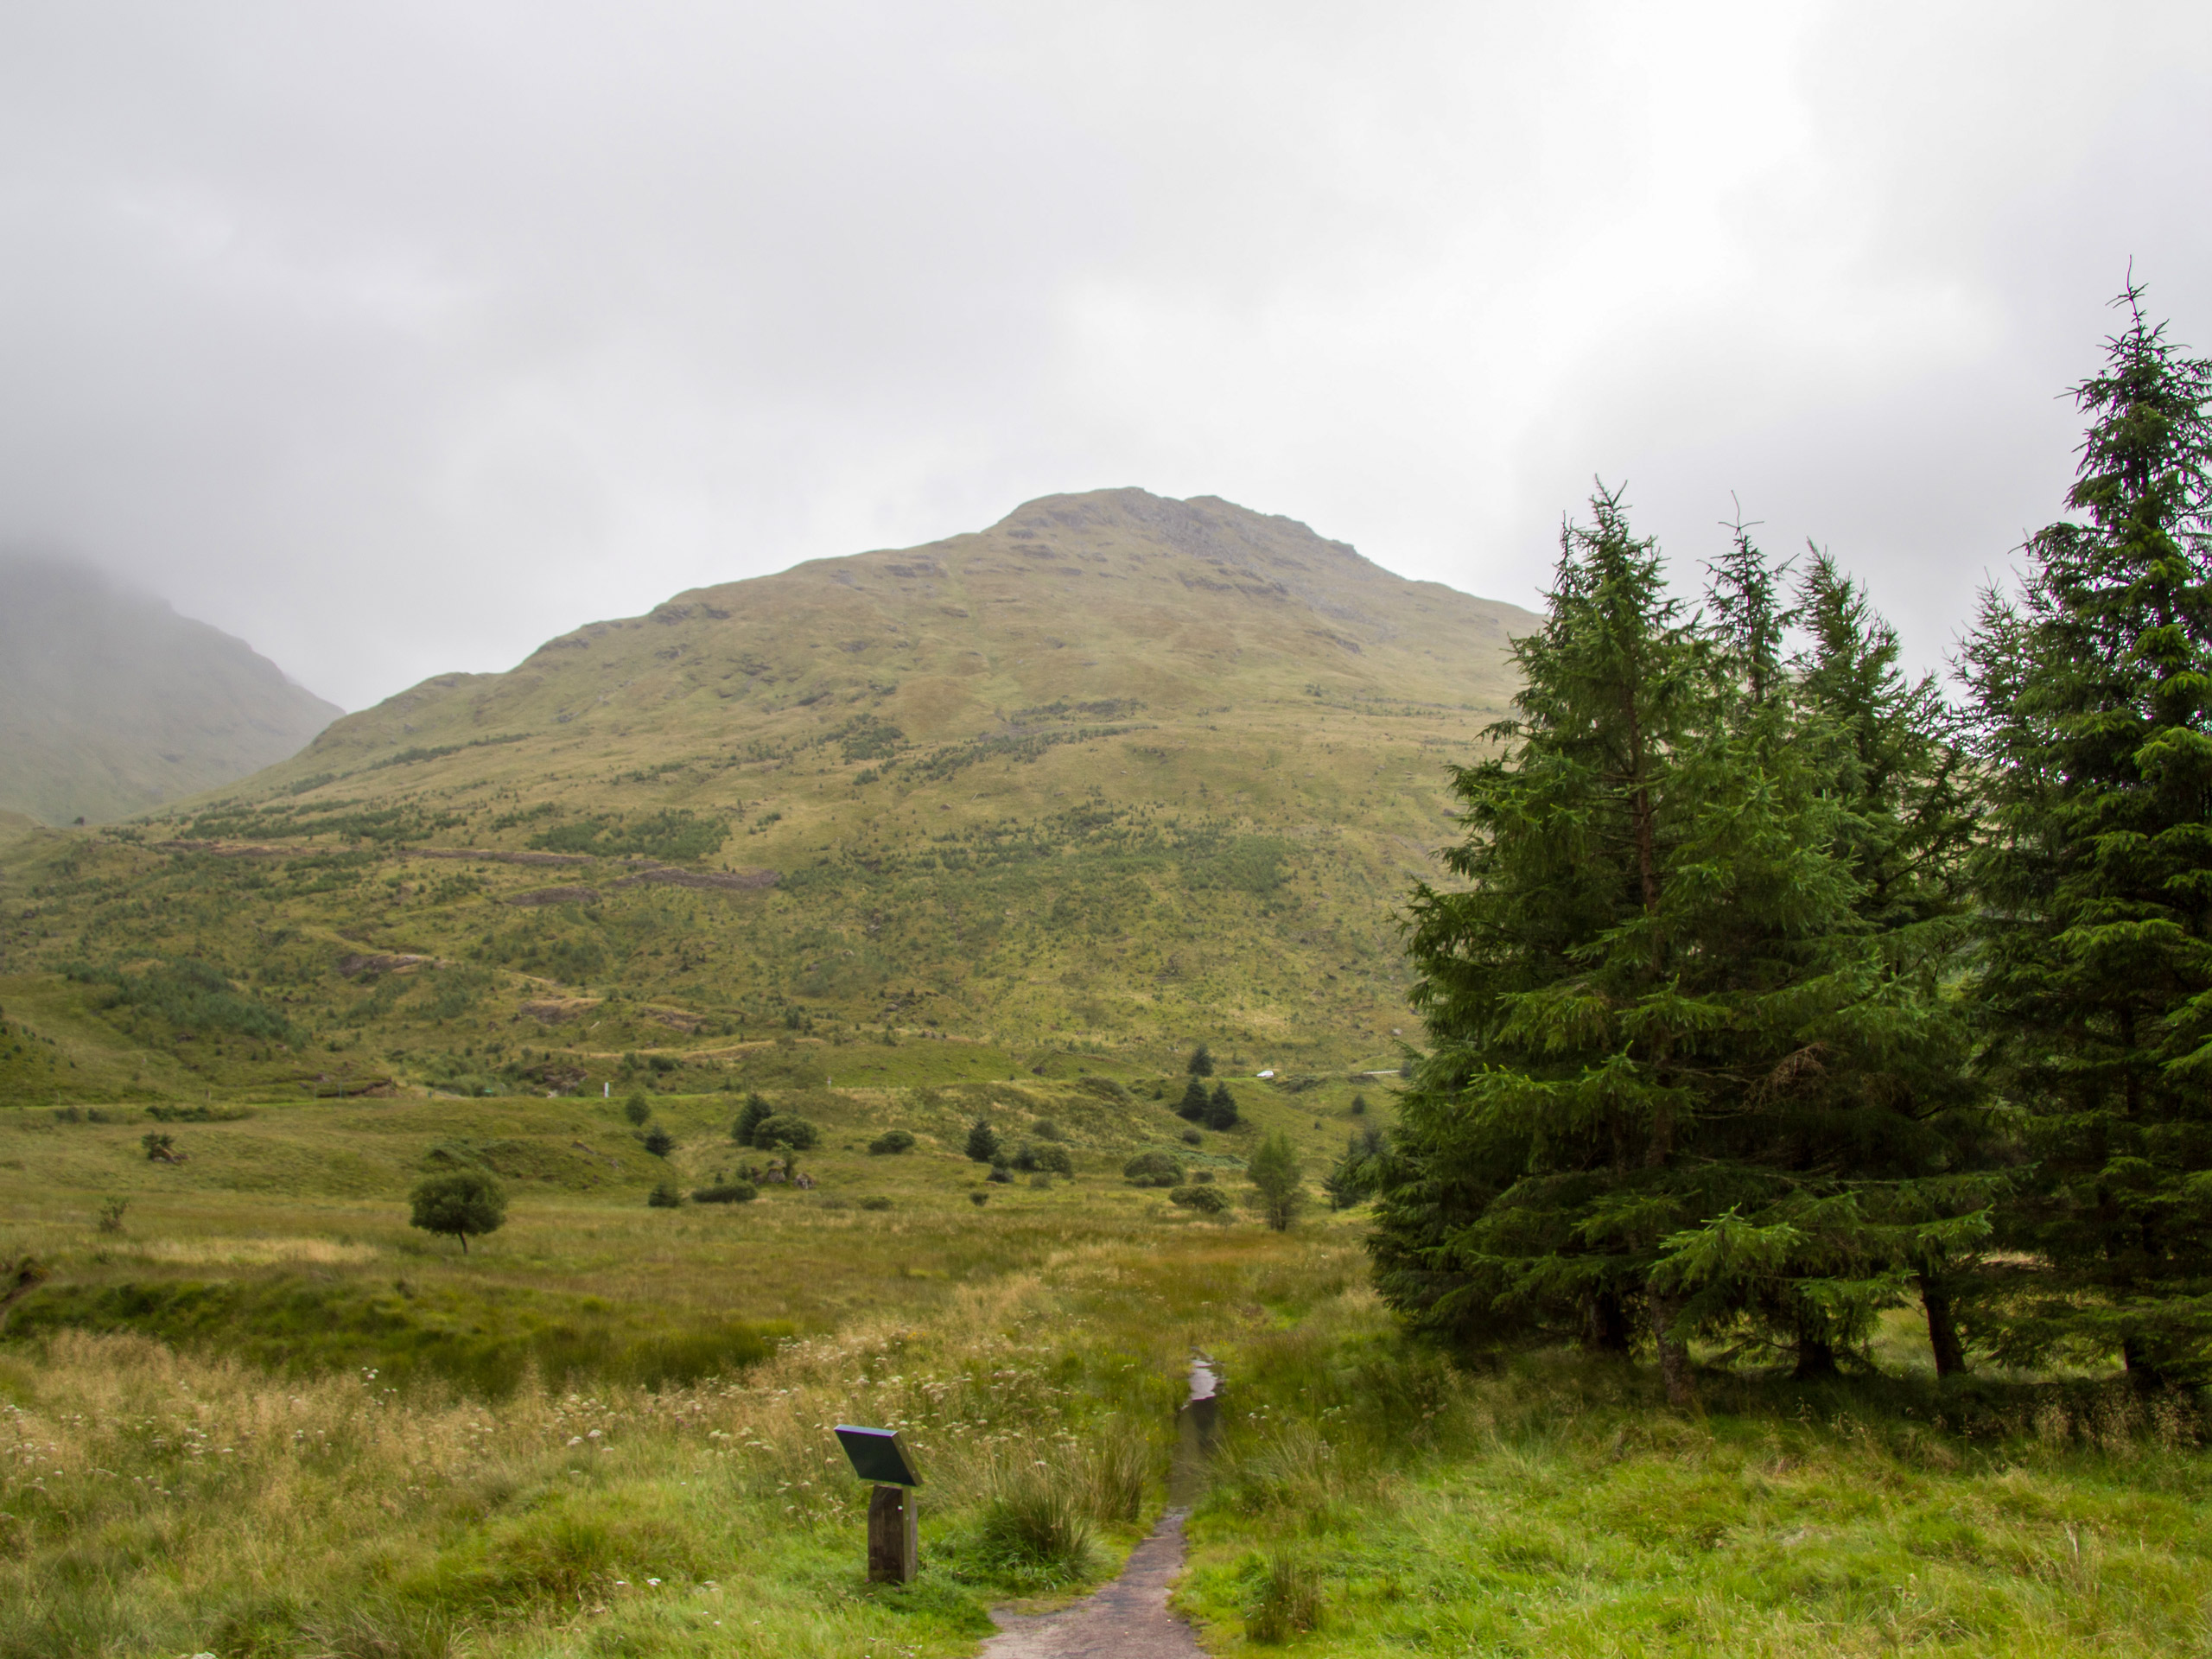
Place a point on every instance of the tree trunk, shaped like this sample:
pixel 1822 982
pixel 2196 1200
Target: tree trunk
pixel 1605 1328
pixel 1815 1357
pixel 2143 1371
pixel 1673 1353
pixel 463 1237
pixel 1943 1330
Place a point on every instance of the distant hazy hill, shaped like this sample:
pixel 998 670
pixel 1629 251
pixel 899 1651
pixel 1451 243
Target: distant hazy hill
pixel 1117 770
pixel 110 703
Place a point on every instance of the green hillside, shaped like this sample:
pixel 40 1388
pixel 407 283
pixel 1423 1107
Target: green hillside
pixel 112 703
pixel 1116 774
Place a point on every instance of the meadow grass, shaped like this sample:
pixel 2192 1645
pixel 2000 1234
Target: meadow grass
pixel 267 1422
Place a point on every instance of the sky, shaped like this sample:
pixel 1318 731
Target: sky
pixel 397 338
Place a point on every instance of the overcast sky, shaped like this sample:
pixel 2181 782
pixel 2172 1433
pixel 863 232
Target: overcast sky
pixel 397 338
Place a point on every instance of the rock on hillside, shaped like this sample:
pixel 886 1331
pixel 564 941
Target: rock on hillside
pixel 110 703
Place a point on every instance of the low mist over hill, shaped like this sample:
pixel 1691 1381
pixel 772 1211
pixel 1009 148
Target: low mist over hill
pixel 110 703
pixel 1118 771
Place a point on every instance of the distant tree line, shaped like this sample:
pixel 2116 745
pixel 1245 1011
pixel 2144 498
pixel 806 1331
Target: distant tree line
pixel 1781 992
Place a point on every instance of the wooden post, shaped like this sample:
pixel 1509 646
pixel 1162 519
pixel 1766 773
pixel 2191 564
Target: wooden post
pixel 894 1547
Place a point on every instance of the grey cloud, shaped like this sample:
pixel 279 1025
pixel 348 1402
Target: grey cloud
pixel 399 338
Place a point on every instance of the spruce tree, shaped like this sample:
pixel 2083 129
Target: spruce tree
pixel 755 1112
pixel 1221 1109
pixel 1192 1106
pixel 1657 1014
pixel 2094 698
pixel 1914 1131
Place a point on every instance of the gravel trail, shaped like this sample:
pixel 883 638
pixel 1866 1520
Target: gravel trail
pixel 1126 1619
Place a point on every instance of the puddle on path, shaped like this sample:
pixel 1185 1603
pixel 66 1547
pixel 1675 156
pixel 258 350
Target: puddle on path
pixel 1129 1617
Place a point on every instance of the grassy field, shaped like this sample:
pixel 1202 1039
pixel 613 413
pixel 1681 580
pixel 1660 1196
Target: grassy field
pixel 260 1416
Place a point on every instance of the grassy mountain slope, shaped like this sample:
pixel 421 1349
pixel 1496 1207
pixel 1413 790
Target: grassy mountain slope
pixel 110 703
pixel 1119 772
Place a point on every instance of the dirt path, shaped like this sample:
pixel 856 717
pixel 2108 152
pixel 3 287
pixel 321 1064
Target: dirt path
pixel 1127 1619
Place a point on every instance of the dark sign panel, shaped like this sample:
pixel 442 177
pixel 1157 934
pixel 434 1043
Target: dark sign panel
pixel 877 1456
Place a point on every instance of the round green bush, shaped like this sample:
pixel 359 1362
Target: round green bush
pixel 1206 1200
pixel 665 1196
pixel 1152 1169
pixel 891 1142
pixel 1049 1160
pixel 879 1202
pixel 787 1130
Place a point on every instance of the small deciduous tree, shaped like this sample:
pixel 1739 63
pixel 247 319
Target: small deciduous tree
pixel 460 1205
pixel 1280 1184
pixel 635 1108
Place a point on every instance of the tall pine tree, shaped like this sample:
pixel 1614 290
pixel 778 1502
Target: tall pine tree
pixel 1666 1043
pixel 2093 694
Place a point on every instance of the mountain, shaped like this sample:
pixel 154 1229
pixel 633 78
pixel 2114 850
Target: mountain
pixel 1118 771
pixel 110 703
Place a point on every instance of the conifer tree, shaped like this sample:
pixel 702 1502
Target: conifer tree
pixel 2093 699
pixel 1657 1006
pixel 1192 1106
pixel 1221 1109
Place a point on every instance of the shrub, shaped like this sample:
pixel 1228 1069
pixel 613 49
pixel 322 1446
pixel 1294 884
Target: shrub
pixel 1047 1158
pixel 1045 1129
pixel 999 1175
pixel 635 1108
pixel 1051 1160
pixel 1193 1137
pixel 727 1192
pixel 979 1199
pixel 891 1142
pixel 1035 1523
pixel 1359 1105
pixel 1288 1601
pixel 788 1131
pixel 663 1064
pixel 659 1142
pixel 1152 1169
pixel 1105 1088
pixel 457 1204
pixel 879 1202
pixel 665 1196
pixel 111 1210
pixel 982 1141
pixel 1206 1200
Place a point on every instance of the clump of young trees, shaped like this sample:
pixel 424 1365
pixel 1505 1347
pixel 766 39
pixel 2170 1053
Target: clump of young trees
pixel 1780 992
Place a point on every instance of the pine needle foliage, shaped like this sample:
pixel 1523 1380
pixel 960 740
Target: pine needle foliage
pixel 1680 1080
pixel 2093 693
